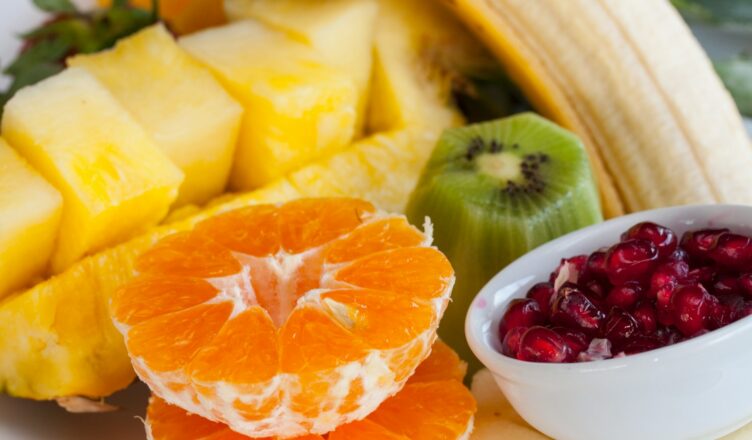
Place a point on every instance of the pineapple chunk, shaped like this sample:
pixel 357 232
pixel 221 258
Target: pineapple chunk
pixel 419 49
pixel 115 182
pixel 322 25
pixel 382 169
pixel 180 104
pixel 57 338
pixel 29 218
pixel 298 108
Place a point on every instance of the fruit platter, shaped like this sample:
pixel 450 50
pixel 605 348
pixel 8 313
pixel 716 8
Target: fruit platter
pixel 375 219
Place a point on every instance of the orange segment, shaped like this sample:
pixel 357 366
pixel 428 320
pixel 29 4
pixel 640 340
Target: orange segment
pixel 429 410
pixel 374 237
pixel 377 317
pixel 188 254
pixel 169 422
pixel 442 364
pixel 253 230
pixel 244 351
pixel 364 430
pixel 438 411
pixel 244 321
pixel 309 223
pixel 148 296
pixel 311 341
pixel 414 271
pixel 168 342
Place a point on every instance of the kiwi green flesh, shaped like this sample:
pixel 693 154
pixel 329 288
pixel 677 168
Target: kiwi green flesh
pixel 480 224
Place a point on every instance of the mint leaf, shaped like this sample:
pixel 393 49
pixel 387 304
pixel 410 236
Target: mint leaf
pixel 56 6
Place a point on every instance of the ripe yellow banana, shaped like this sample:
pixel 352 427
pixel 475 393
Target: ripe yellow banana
pixel 631 80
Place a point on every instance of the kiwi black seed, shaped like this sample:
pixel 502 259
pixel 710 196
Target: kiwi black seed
pixel 494 191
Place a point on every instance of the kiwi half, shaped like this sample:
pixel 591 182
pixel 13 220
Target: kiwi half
pixel 494 191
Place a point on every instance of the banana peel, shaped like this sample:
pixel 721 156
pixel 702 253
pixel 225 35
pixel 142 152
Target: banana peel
pixel 630 79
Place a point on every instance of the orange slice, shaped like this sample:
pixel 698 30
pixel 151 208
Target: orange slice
pixel 433 405
pixel 285 320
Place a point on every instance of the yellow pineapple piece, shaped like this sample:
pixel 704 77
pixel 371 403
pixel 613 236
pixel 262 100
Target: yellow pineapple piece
pixel 57 338
pixel 322 25
pixel 297 107
pixel 114 181
pixel 420 48
pixel 29 219
pixel 180 104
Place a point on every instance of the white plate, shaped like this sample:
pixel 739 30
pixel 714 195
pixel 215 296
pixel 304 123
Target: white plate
pixel 22 419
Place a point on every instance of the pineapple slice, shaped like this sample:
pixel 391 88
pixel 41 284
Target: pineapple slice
pixel 115 182
pixel 29 218
pixel 420 49
pixel 180 104
pixel 57 338
pixel 298 107
pixel 322 25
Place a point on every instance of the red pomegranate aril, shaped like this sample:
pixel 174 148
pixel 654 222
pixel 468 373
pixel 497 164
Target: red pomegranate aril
pixel 631 260
pixel 510 345
pixel 732 251
pixel 620 326
pixel 542 293
pixel 573 309
pixel 598 288
pixel 645 315
pixel 745 284
pixel 576 265
pixel 641 344
pixel 691 307
pixel 726 285
pixel 703 275
pixel 578 341
pixel 679 255
pixel 744 311
pixel 722 315
pixel 668 273
pixel 662 237
pixel 521 313
pixel 596 265
pixel 699 243
pixel 625 296
pixel 540 344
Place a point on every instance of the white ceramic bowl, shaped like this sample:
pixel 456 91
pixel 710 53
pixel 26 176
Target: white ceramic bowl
pixel 697 389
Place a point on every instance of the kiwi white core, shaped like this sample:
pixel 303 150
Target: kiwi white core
pixel 502 166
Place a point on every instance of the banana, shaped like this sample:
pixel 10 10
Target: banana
pixel 630 79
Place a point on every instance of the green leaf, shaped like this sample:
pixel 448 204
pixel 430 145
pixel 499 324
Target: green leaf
pixel 48 51
pixel 56 6
pixel 721 12
pixel 736 74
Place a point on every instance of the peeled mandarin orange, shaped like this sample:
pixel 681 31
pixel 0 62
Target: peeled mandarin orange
pixel 433 405
pixel 285 320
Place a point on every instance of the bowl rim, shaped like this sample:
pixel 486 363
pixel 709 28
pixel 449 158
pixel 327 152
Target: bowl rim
pixel 478 319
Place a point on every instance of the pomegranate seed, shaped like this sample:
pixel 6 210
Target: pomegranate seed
pixel 744 311
pixel 521 313
pixel 576 265
pixel 510 345
pixel 620 326
pixel 732 250
pixel 625 296
pixel 542 293
pixel 598 349
pixel 596 265
pixel 572 308
pixel 703 275
pixel 691 307
pixel 540 344
pixel 679 255
pixel 722 315
pixel 668 273
pixel 640 344
pixel 745 283
pixel 631 260
pixel 662 237
pixel 598 288
pixel 577 340
pixel 645 315
pixel 699 243
pixel 669 336
pixel 726 285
